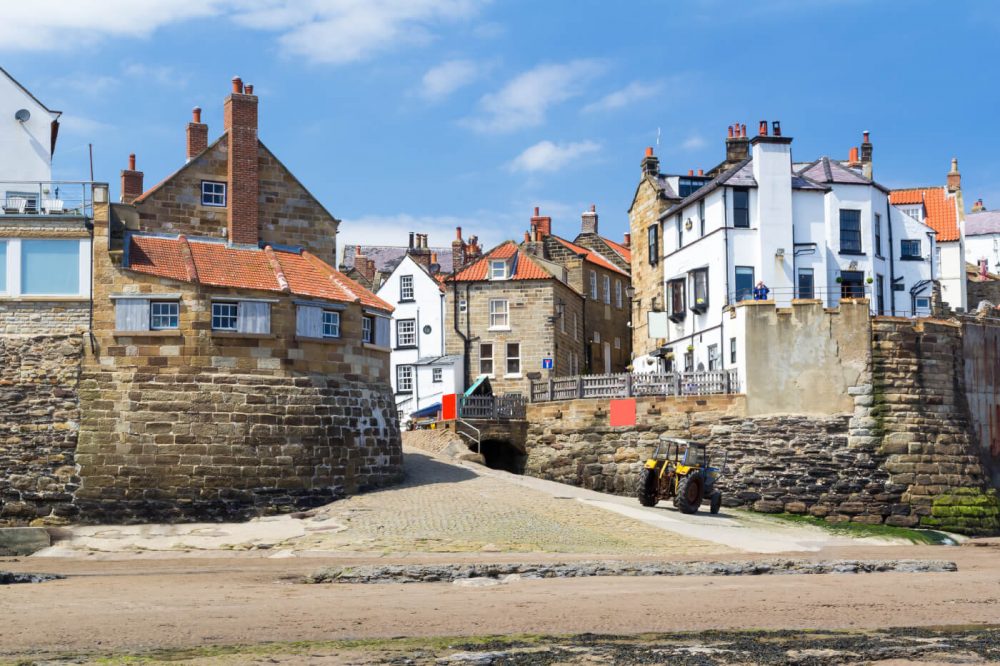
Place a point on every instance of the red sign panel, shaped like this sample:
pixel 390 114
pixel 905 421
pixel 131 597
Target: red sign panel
pixel 449 407
pixel 622 412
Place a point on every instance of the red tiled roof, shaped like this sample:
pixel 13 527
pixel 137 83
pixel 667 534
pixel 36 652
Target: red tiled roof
pixel 623 251
pixel 219 265
pixel 590 255
pixel 524 269
pixel 942 212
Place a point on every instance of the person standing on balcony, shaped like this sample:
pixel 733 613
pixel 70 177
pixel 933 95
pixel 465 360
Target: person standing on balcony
pixel 761 291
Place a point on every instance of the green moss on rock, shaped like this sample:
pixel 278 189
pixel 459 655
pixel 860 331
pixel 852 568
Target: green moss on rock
pixel 970 511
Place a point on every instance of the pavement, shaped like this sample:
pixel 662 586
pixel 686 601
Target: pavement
pixel 449 506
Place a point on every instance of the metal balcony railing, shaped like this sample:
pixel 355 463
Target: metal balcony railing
pixel 46 198
pixel 626 385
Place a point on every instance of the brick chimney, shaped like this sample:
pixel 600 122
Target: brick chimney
pixel 239 115
pixel 588 224
pixel 457 250
pixel 364 265
pixel 419 251
pixel 131 182
pixel 978 207
pixel 866 154
pixel 737 144
pixel 628 240
pixel 650 163
pixel 954 177
pixel 472 250
pixel 197 134
pixel 540 225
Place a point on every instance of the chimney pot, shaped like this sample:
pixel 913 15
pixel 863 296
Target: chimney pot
pixel 527 237
pixel 743 131
pixel 458 233
pixel 690 172
pixel 593 208
pixel 776 125
pixel 701 172
pixel 730 133
pixel 762 129
pixel 131 162
pixel 536 211
pixel 649 151
pixel 853 159
pixel 249 88
pixel 864 136
pixel 237 85
pixel 196 114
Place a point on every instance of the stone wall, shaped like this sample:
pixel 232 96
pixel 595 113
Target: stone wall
pixel 44 317
pixel 207 446
pixel 646 279
pixel 985 290
pixel 39 377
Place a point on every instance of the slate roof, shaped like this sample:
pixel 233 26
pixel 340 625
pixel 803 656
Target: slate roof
pixel 985 222
pixel 589 255
pixel 524 267
pixel 711 186
pixel 387 257
pixel 941 211
pixel 218 264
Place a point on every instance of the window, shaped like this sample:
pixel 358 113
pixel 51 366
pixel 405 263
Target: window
pixel 618 342
pixel 163 315
pixel 806 287
pixel 689 361
pixel 486 358
pixel 653 240
pixel 463 305
pixel 3 267
pixel 406 333
pixel 618 294
pixel 917 213
pixel 50 267
pixel 922 303
pixel 701 216
pixel 574 364
pixel 878 235
pixel 852 284
pixel 499 313
pixel 686 186
pixel 597 337
pixel 224 316
pixel 676 291
pixel 713 357
pixel 561 308
pixel 404 379
pixel 680 230
pixel 405 288
pixel 909 250
pixel 741 207
pixel 331 324
pixel 576 326
pixel 732 350
pixel 367 329
pixel 744 283
pixel 498 270
pixel 607 290
pixel 213 193
pixel 850 231
pixel 593 285
pixel 513 358
pixel 437 375
pixel 699 279
pixel 879 289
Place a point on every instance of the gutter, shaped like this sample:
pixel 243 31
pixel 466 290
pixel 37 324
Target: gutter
pixel 892 260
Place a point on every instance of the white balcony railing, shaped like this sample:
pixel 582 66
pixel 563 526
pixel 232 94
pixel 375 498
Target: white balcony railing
pixel 48 198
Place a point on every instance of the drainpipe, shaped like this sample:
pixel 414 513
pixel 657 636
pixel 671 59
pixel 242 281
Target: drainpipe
pixel 892 261
pixel 465 338
pixel 725 244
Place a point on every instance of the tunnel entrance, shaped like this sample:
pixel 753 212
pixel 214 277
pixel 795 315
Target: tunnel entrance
pixel 500 454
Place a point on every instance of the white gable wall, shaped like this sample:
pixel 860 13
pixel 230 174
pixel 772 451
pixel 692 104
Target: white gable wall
pixel 26 147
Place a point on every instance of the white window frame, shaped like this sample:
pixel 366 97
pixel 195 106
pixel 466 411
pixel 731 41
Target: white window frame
pixel 367 329
pixel 562 320
pixel 597 337
pixel 437 375
pixel 331 324
pixel 482 358
pixel 405 288
pixel 410 339
pixel 618 294
pixel 607 289
pixel 508 358
pixel 500 274
pixel 593 285
pixel 714 360
pixel 463 306
pixel 4 281
pixel 404 373
pixel 12 276
pixel 214 193
pixel 235 316
pixel 499 316
pixel 172 318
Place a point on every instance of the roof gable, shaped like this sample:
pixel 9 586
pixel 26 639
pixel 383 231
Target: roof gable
pixel 409 265
pixel 941 209
pixel 524 266
pixel 589 255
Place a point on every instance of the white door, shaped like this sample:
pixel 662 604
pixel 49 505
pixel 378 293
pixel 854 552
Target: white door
pixel 607 358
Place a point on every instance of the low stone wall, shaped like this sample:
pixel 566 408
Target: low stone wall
pixel 174 447
pixel 44 317
pixel 39 419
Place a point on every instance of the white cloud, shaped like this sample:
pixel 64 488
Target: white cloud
pixel 548 156
pixel 526 98
pixel 161 75
pixel 440 229
pixel 446 78
pixel 693 142
pixel 630 94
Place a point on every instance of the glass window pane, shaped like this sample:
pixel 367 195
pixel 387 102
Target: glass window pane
pixel 224 316
pixel 744 283
pixel 50 267
pixel 3 266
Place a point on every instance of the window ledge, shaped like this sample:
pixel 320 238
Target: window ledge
pixel 516 375
pixel 407 300
pixel 372 345
pixel 911 259
pixel 237 334
pixel 402 347
pixel 322 341
pixel 46 299
pixel 851 253
pixel 498 328
pixel 167 333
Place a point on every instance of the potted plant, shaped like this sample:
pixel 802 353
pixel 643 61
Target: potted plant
pixel 699 306
pixel 869 279
pixel 690 348
pixel 839 279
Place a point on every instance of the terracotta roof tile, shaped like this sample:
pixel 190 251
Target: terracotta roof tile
pixel 590 255
pixel 524 267
pixel 219 265
pixel 624 252
pixel 940 207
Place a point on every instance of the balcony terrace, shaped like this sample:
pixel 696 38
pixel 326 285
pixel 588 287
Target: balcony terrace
pixel 46 199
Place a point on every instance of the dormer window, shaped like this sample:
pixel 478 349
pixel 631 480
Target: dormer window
pixel 498 270
pixel 213 193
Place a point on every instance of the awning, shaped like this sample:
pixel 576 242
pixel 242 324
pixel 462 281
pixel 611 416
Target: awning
pixel 431 410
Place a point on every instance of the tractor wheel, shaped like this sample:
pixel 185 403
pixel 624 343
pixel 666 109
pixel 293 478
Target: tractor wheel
pixel 646 487
pixel 716 502
pixel 689 493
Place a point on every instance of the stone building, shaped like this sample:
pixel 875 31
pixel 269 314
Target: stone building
pixel 230 370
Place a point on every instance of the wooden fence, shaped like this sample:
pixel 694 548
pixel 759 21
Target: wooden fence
pixel 492 407
pixel 626 385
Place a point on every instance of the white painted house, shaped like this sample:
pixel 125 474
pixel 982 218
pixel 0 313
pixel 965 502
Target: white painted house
pixel 28 131
pixel 982 238
pixel 421 372
pixel 818 230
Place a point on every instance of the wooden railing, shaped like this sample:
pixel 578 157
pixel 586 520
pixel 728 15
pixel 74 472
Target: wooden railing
pixel 627 385
pixel 492 407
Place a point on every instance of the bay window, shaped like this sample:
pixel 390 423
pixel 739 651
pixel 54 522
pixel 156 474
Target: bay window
pixel 676 292
pixel 699 280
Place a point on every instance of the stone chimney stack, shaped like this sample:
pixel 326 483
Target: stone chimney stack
pixel 240 122
pixel 419 250
pixel 866 154
pixel 197 134
pixel 131 182
pixel 650 163
pixel 458 250
pixel 954 177
pixel 737 143
pixel 540 225
pixel 588 223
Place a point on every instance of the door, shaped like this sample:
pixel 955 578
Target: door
pixel 852 284
pixel 607 358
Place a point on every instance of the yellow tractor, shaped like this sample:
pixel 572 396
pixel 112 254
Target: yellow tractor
pixel 679 470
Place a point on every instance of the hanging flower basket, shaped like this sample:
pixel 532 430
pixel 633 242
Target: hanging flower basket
pixel 839 279
pixel 690 348
pixel 869 280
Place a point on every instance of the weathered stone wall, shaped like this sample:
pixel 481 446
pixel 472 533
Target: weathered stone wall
pixel 978 291
pixel 39 378
pixel 228 446
pixel 646 279
pixel 43 317
pixel 981 344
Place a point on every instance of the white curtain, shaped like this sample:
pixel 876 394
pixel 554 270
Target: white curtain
pixel 132 314
pixel 253 317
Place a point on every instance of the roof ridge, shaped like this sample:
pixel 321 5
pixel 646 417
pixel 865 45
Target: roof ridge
pixel 279 272
pixel 189 266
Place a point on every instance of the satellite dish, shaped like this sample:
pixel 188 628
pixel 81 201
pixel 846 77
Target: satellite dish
pixel 22 115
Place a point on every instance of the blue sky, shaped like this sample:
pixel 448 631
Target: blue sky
pixel 420 115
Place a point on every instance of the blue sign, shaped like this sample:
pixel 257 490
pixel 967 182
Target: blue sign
pixel 546 364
